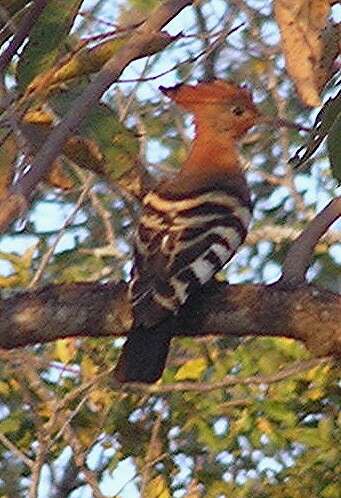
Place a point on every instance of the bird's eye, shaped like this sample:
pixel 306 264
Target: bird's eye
pixel 237 110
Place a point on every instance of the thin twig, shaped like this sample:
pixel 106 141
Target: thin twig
pixel 102 212
pixel 150 457
pixel 123 110
pixel 80 456
pixel 219 39
pixel 18 453
pixel 229 380
pixel 37 467
pixel 69 419
pixel 288 179
pixel 47 256
pixel 280 233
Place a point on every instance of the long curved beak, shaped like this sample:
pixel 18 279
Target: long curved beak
pixel 281 123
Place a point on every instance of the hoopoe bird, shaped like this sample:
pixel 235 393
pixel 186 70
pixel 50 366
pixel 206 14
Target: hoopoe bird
pixel 190 225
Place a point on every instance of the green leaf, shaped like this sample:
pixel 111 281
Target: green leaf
pixel 279 412
pixel 145 6
pixel 45 39
pixel 243 424
pixel 220 488
pixel 305 435
pixel 323 125
pixel 86 61
pixel 191 370
pixel 157 488
pixel 331 491
pixel 117 143
pixel 71 266
pixel 334 147
pixel 270 362
pixel 4 388
pixel 325 428
pixel 9 424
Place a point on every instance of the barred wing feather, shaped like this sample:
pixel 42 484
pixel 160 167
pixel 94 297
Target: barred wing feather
pixel 180 245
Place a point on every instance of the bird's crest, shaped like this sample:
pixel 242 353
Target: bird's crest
pixel 206 92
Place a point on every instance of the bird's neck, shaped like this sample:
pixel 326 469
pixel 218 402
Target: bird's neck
pixel 213 151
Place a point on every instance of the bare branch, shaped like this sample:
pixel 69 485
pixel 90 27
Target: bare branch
pixel 80 456
pixel 13 449
pixel 306 313
pixel 289 308
pixel 228 381
pixel 300 253
pixel 152 453
pixel 36 468
pixel 281 233
pixel 69 480
pixel 47 256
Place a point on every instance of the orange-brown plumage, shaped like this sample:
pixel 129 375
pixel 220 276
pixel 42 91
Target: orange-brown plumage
pixel 191 225
pixel 216 107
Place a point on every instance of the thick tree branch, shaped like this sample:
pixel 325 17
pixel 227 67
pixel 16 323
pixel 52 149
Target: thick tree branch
pixel 307 313
pixel 147 40
pixel 299 255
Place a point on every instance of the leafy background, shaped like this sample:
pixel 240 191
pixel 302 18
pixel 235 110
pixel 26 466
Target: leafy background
pixel 64 431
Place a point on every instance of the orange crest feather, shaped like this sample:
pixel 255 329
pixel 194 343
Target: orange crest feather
pixel 214 91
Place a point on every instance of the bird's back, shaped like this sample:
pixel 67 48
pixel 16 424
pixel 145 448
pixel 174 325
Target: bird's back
pixel 188 231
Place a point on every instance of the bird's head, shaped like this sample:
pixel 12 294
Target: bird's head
pixel 220 105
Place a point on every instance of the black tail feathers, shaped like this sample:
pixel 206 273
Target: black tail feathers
pixel 144 356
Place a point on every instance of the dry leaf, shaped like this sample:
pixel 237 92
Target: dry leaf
pixel 36 126
pixel 331 40
pixel 302 23
pixel 85 153
pixel 65 350
pixel 8 154
pixel 85 61
pixel 157 488
pixel 58 177
pixel 39 116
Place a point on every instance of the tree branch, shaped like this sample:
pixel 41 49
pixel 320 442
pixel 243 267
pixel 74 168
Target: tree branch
pixel 307 313
pixel 28 22
pixel 147 40
pixel 228 381
pixel 281 233
pixel 300 253
pixel 15 451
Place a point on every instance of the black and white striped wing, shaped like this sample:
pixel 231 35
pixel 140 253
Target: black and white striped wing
pixel 181 244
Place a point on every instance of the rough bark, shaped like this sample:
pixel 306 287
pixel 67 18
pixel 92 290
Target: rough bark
pixel 306 313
